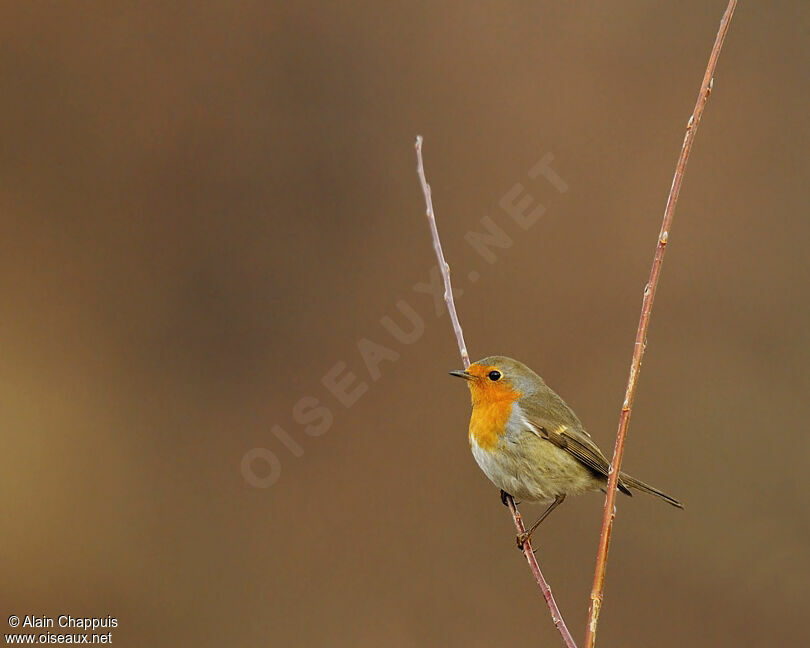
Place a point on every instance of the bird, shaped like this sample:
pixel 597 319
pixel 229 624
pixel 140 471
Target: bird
pixel 530 444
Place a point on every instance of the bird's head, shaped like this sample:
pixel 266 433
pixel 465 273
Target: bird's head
pixel 497 379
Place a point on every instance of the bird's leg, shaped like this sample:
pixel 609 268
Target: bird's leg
pixel 504 495
pixel 523 537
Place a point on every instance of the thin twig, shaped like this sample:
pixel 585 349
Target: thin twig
pixel 641 334
pixel 556 616
pixel 437 246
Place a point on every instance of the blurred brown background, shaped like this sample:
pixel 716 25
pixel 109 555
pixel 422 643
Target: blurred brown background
pixel 206 205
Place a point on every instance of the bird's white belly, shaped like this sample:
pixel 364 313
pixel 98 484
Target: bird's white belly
pixel 511 473
pixel 520 470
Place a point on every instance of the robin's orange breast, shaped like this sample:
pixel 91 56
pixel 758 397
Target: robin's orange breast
pixel 488 419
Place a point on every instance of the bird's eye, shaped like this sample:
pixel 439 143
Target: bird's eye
pixel 494 375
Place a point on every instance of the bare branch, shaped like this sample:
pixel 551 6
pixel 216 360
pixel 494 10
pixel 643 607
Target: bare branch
pixel 641 334
pixel 556 616
pixel 444 268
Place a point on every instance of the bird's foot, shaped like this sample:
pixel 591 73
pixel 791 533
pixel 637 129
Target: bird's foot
pixel 521 539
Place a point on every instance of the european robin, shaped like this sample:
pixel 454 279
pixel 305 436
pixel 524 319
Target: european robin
pixel 529 442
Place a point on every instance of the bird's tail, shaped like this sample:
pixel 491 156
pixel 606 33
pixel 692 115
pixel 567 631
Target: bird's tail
pixel 632 482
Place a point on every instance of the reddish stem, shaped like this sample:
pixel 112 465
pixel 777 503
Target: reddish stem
pixel 641 334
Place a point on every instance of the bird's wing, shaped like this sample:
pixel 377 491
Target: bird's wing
pixel 567 434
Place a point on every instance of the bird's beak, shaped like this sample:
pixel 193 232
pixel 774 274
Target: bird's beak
pixel 462 374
